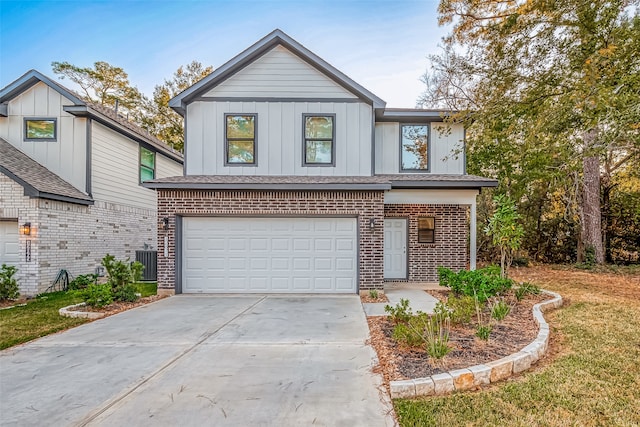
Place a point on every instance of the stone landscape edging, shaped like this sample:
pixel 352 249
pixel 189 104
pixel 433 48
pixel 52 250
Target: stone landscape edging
pixel 69 312
pixel 486 373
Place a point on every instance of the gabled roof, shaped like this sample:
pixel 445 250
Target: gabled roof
pixel 84 108
pixel 264 45
pixel 37 180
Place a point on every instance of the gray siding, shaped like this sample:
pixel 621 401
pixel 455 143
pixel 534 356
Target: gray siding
pixel 66 156
pixel 446 145
pixel 279 138
pixel 280 73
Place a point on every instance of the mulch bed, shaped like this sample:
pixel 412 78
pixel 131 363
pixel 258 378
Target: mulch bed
pixel 509 336
pixel 118 306
pixel 366 298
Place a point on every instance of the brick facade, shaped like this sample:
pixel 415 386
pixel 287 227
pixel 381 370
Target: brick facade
pixel 364 205
pixel 451 239
pixel 71 236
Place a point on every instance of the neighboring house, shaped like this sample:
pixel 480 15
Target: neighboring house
pixel 298 179
pixel 71 170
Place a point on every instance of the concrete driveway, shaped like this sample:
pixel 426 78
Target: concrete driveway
pixel 202 360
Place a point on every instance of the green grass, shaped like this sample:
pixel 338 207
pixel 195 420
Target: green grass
pixel 593 381
pixel 40 316
pixel 146 288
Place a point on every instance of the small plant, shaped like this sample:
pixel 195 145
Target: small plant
pixel 499 309
pixel 136 270
pixel 97 295
pixel 483 283
pixel 8 284
pixel 119 271
pixel 126 293
pixel 505 231
pixel 82 281
pixel 483 332
pixel 408 335
pixel 437 336
pixel 401 313
pixel 462 308
pixel 373 294
pixel 526 289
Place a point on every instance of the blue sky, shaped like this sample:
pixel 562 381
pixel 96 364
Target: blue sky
pixel 382 45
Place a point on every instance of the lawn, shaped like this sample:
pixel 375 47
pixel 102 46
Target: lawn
pixel 40 316
pixel 591 376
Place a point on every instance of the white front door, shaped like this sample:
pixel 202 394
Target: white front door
pixel 270 255
pixel 395 248
pixel 9 243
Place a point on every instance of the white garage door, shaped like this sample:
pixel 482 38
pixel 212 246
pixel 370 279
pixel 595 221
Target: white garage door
pixel 9 243
pixel 269 255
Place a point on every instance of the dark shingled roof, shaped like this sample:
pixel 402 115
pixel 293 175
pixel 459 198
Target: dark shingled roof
pixel 37 180
pixel 378 182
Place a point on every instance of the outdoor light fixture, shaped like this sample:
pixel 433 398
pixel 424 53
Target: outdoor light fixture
pixel 372 223
pixel 165 223
pixel 25 229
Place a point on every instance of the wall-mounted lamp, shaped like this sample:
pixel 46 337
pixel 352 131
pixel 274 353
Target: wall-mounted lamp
pixel 372 223
pixel 25 229
pixel 165 223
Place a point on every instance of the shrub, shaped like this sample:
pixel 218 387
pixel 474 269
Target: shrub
pixel 8 284
pixel 483 332
pixel 373 294
pixel 82 281
pixel 482 283
pixel 136 271
pixel 526 289
pixel 126 293
pixel 409 335
pixel 97 295
pixel 432 332
pixel 401 313
pixel 500 309
pixel 462 308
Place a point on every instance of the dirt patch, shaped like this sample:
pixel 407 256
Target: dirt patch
pixel 509 336
pixel 366 298
pixel 118 306
pixel 12 303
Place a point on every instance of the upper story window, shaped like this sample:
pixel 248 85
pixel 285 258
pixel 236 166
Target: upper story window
pixel 319 140
pixel 240 137
pixel 414 155
pixel 40 129
pixel 147 164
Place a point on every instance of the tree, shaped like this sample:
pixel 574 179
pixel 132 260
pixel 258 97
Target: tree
pixel 104 83
pixel 505 231
pixel 159 119
pixel 543 87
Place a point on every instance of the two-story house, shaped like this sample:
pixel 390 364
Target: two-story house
pixel 70 182
pixel 297 179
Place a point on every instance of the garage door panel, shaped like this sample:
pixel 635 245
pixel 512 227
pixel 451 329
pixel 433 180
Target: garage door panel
pixel 269 254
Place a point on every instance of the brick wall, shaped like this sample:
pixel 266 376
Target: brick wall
pixel 71 236
pixel 451 239
pixel 363 204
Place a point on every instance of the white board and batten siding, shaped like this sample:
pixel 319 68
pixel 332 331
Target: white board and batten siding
pixel 66 156
pixel 279 138
pixel 115 169
pixel 446 145
pixel 269 255
pixel 270 87
pixel 280 73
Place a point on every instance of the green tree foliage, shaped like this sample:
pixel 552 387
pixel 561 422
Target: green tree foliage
pixel 160 120
pixel 505 231
pixel 542 86
pixel 103 83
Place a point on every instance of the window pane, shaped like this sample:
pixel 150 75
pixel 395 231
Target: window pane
pixel 426 236
pixel 426 230
pixel 147 158
pixel 240 127
pixel 240 152
pixel 426 223
pixel 318 152
pixel 318 127
pixel 415 147
pixel 41 129
pixel 145 174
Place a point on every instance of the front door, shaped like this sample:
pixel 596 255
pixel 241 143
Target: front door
pixel 395 248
